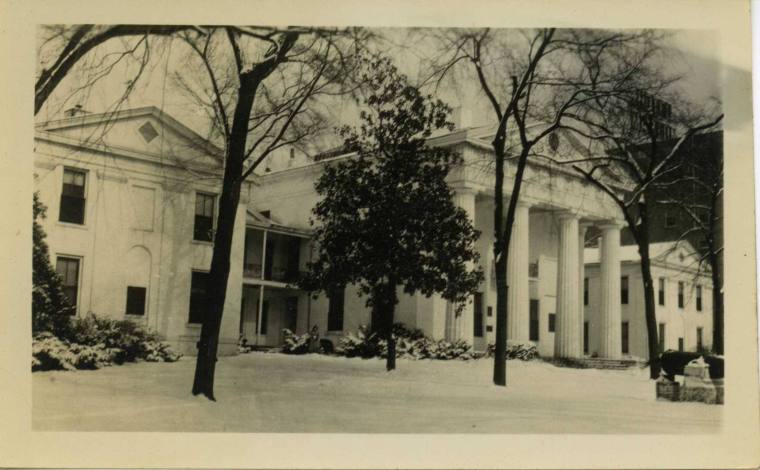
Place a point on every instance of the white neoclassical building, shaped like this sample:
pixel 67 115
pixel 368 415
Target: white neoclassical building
pixel 132 200
pixel 683 300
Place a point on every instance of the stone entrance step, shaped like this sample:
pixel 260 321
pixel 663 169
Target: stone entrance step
pixel 594 363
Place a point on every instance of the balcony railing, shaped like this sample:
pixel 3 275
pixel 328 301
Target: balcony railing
pixel 278 274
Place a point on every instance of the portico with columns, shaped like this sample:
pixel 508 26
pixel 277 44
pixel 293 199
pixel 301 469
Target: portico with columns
pixel 545 268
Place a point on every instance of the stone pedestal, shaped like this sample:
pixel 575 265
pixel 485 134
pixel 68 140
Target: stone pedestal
pixel 697 385
pixel 667 389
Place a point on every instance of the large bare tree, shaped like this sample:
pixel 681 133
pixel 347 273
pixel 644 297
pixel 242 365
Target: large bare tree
pixel 62 48
pixel 695 193
pixel 532 81
pixel 639 136
pixel 260 86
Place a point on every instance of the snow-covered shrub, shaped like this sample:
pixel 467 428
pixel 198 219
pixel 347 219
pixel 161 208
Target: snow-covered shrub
pixel 92 342
pixel 132 339
pixel 296 344
pixel 360 344
pixel 411 343
pixel 50 353
pixel 51 309
pixel 522 351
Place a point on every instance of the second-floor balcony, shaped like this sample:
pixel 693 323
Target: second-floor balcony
pixel 273 256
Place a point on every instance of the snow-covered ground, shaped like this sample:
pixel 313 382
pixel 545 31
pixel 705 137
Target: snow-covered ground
pixel 266 392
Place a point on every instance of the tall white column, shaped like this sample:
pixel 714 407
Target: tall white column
pixel 609 305
pixel 463 323
pixel 568 338
pixel 518 295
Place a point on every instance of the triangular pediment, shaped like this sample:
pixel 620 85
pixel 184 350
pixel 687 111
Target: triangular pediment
pixel 147 131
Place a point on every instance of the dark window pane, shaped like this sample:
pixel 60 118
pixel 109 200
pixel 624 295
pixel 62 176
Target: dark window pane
pixel 624 339
pixel 699 298
pixel 264 317
pixel 585 337
pixel 661 292
pixel 136 300
pixel 335 310
pixel 585 291
pixel 478 311
pixel 68 270
pixel 198 297
pixel 552 320
pixel 72 210
pixel 533 329
pixel 624 290
pixel 204 217
pixel 204 228
pixel 72 197
pixel 680 294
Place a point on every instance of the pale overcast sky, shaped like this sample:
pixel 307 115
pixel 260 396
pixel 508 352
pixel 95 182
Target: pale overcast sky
pixel 695 56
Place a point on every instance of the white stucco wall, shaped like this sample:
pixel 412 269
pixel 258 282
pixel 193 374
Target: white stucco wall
pixel 679 322
pixel 138 230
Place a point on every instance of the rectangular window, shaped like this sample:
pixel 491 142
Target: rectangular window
pixel 534 310
pixel 336 301
pixel 204 217
pixel 489 311
pixel 699 298
pixel 624 290
pixel 477 324
pixel 585 291
pixel 661 336
pixel 699 339
pixel 552 320
pixel 661 291
pixel 72 197
pixel 585 337
pixel 624 337
pixel 680 294
pixel 680 344
pixel 670 221
pixel 68 270
pixel 198 297
pixel 136 300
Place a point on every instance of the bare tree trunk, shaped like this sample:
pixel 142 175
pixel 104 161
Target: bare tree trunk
pixel 220 259
pixel 649 313
pixel 502 289
pixel 717 299
pixel 650 316
pixel 500 252
pixel 386 306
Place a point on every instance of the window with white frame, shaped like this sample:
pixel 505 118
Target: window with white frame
pixel 68 270
pixel 72 196
pixel 203 229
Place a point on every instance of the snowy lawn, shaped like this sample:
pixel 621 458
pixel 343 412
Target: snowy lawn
pixel 268 392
